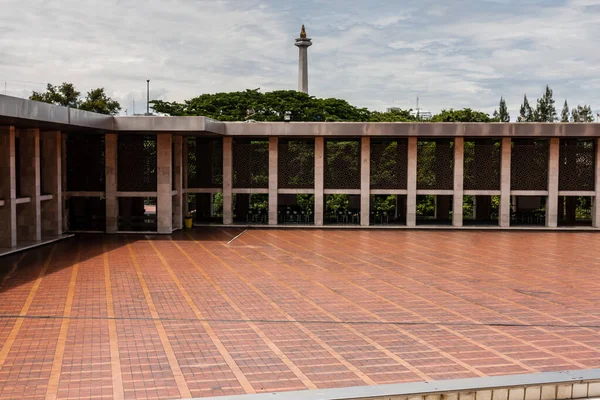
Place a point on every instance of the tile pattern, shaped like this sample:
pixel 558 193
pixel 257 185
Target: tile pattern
pixel 162 317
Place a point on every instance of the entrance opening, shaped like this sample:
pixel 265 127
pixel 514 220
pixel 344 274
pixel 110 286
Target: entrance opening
pixel 251 208
pixel 206 207
pixel 388 210
pixel 434 209
pixel 575 211
pixel 342 209
pixel 295 209
pixel 86 214
pixel 528 210
pixel 137 214
pixel 480 210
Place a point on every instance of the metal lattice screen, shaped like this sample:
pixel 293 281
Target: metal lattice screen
pixel 136 163
pixel 389 164
pixel 85 163
pixel 577 165
pixel 529 165
pixel 296 164
pixel 482 165
pixel 435 164
pixel 250 163
pixel 342 164
pixel 205 162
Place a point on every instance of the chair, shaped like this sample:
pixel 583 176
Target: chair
pixel 250 216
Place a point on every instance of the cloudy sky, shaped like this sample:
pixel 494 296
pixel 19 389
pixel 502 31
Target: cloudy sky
pixel 373 53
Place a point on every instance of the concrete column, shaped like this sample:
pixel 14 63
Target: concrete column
pixel 164 201
pixel 319 180
pixel 29 217
pixel 178 198
pixel 504 217
pixel 365 180
pixel 110 163
pixel 457 206
pixel 184 175
pixel 596 207
pixel 8 188
pixel 411 184
pixel 227 180
pixel 273 179
pixel 65 211
pixel 552 203
pixel 52 170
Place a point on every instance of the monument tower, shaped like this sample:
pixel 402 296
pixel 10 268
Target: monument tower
pixel 303 44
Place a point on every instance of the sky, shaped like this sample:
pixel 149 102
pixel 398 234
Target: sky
pixel 374 54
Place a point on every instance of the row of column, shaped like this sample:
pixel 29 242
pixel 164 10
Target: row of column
pixel 411 201
pixel 27 215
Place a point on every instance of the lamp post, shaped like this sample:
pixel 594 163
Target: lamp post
pixel 147 96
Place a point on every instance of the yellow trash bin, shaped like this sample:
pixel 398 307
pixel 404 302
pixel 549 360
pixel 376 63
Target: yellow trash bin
pixel 188 222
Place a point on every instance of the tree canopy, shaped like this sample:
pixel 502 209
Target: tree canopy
pixel 464 115
pixel 66 95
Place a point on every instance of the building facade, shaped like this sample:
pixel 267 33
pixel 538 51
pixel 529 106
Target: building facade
pixel 69 170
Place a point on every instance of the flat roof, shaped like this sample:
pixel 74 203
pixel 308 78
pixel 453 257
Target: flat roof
pixel 24 113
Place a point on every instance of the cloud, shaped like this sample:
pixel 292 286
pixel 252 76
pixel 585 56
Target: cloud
pixel 464 53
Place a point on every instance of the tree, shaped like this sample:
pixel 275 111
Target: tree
pixel 464 115
pixel 545 110
pixel 525 113
pixel 564 115
pixel 98 102
pixel 66 95
pixel 502 115
pixel 394 115
pixel 63 95
pixel 582 114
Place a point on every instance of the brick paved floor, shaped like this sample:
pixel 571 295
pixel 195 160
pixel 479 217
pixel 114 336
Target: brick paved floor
pixel 182 316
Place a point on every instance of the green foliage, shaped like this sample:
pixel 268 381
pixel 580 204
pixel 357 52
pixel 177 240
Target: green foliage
pixel 464 115
pixel 384 203
pixel 395 115
pixel 564 115
pixel 502 115
pixel 66 95
pixel 526 112
pixel 426 205
pixel 582 114
pixel 545 110
pixel 305 201
pixel 97 101
pixel 337 202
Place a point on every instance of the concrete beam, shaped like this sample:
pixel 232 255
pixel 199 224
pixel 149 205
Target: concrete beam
pixel 111 171
pixel 319 180
pixel 164 201
pixel 273 179
pixel 365 180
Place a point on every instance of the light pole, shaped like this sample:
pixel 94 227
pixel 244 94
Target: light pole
pixel 147 96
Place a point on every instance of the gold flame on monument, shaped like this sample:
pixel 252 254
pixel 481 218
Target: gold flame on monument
pixel 303 33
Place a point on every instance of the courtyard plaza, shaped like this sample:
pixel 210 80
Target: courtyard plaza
pixel 220 311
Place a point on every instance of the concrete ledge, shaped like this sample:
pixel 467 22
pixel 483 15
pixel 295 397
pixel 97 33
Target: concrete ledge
pixel 31 245
pixel 23 200
pixel 543 386
pixel 203 190
pixel 250 191
pixel 1 203
pixel 46 197
pixel 539 228
pixel 84 194
pixel 341 191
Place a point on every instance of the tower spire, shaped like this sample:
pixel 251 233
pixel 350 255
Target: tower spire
pixel 303 43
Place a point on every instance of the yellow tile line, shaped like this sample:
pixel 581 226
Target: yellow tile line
pixel 246 385
pixel 298 294
pixel 59 352
pixel 486 307
pixel 184 390
pixel 15 330
pixel 115 360
pixel 415 337
pixel 274 348
pixel 374 315
pixel 365 378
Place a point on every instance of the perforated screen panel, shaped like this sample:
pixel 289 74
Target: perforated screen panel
pixel 389 164
pixel 576 165
pixel 296 164
pixel 136 160
pixel 205 162
pixel 250 163
pixel 85 163
pixel 529 165
pixel 482 165
pixel 342 164
pixel 435 165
